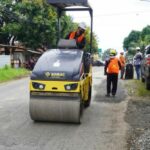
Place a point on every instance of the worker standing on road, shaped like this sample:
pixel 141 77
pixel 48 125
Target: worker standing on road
pixel 112 68
pixel 78 35
pixel 122 61
pixel 137 62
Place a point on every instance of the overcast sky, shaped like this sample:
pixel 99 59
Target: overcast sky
pixel 115 19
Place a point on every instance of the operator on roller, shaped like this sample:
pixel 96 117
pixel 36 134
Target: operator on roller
pixel 78 35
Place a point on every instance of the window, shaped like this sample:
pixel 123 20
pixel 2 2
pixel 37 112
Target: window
pixel 148 50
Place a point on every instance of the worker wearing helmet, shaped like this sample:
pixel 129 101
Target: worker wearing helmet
pixel 112 68
pixel 78 35
pixel 122 62
pixel 137 62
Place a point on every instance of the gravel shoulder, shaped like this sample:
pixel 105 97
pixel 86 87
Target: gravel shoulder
pixel 138 118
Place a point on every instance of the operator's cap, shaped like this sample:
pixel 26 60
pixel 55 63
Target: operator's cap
pixel 82 25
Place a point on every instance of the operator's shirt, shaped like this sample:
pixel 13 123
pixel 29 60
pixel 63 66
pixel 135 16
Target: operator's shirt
pixel 79 40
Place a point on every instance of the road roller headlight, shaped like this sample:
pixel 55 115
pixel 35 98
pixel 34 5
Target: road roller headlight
pixel 73 86
pixel 38 86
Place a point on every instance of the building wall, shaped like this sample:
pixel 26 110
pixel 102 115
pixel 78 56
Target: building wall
pixel 20 56
pixel 5 60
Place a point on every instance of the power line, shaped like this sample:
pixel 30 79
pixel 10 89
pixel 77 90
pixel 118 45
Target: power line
pixel 122 13
pixel 117 14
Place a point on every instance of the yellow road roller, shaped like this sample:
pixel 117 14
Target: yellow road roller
pixel 61 81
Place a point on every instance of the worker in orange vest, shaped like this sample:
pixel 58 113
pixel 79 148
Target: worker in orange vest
pixel 78 35
pixel 112 68
pixel 122 61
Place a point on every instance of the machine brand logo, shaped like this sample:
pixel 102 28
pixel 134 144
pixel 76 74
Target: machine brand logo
pixel 47 74
pixel 54 74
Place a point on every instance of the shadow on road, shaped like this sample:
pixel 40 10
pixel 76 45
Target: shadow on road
pixel 100 91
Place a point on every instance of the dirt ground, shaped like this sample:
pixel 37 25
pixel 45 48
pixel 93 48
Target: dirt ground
pixel 138 118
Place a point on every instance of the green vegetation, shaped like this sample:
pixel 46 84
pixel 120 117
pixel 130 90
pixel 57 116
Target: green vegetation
pixel 137 88
pixel 34 24
pixel 94 42
pixel 8 73
pixel 137 39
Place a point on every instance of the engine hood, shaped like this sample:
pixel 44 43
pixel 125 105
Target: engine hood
pixel 58 64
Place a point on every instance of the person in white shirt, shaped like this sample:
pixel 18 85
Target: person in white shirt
pixel 137 62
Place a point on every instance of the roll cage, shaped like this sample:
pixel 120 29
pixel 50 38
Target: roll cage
pixel 68 5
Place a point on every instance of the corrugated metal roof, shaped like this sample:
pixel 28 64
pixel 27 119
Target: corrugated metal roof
pixel 66 3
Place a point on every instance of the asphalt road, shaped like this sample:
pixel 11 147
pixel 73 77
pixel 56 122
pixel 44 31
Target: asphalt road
pixel 103 126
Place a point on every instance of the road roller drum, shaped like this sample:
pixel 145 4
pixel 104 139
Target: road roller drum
pixel 56 109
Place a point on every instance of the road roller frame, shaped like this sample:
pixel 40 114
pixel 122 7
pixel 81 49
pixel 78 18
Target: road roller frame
pixel 61 81
pixel 67 5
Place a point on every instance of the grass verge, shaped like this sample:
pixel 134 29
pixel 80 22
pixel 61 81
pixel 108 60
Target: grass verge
pixel 137 88
pixel 7 73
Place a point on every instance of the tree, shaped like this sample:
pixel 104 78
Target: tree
pixel 67 25
pixel 132 41
pixel 145 35
pixel 39 24
pixel 94 42
pixel 6 17
pixel 33 23
pixel 145 31
pixel 134 36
